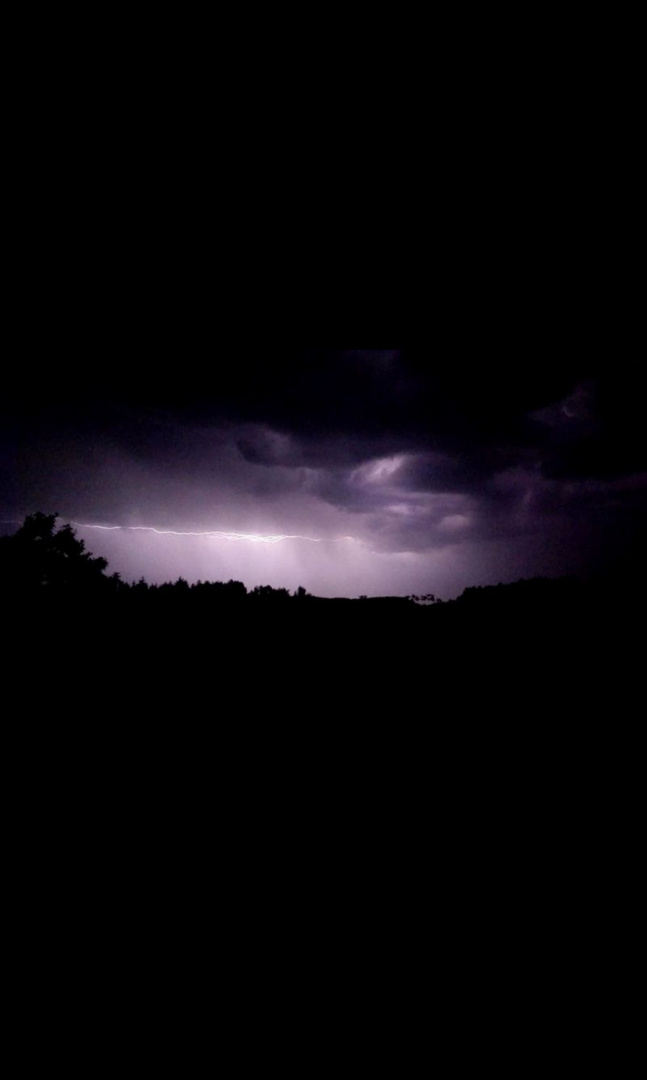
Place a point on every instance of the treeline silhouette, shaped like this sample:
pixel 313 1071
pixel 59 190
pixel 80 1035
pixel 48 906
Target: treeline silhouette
pixel 218 702
pixel 63 610
pixel 46 562
pixel 55 593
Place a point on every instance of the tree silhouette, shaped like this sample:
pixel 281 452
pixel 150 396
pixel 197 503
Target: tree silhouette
pixel 40 556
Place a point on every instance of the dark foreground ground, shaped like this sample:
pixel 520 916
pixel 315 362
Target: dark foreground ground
pixel 330 809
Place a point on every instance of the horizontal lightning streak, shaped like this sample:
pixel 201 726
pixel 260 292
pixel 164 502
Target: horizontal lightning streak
pixel 216 534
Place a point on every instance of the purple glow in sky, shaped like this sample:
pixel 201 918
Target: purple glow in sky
pixel 346 471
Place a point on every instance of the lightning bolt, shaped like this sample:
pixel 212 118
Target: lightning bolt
pixel 217 534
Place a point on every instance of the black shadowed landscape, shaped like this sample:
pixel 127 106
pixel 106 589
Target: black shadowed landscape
pixel 356 633
pixel 322 669
pixel 539 650
pixel 392 535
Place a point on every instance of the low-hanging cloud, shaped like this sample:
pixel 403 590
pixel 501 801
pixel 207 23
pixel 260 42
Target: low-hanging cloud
pixel 416 454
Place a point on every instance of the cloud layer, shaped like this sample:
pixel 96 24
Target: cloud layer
pixel 467 471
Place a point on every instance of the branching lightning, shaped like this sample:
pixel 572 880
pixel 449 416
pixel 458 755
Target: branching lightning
pixel 217 534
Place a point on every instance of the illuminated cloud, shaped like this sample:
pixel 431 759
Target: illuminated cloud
pixel 445 472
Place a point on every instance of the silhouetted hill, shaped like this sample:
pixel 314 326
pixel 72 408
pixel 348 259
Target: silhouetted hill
pixel 534 648
pixel 478 745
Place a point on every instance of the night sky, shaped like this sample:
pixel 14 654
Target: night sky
pixel 347 471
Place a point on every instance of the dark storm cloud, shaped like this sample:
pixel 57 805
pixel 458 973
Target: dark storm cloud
pixel 360 396
pixel 336 408
pixel 410 450
pixel 457 471
pixel 599 431
pixel 340 405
